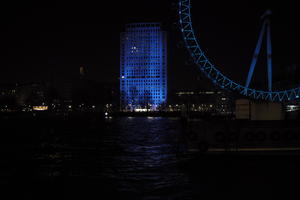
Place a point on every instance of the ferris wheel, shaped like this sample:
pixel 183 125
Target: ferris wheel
pixel 217 77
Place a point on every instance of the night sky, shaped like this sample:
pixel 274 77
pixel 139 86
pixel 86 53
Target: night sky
pixel 49 40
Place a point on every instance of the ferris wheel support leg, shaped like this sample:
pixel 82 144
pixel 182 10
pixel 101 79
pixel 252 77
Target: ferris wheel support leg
pixel 269 49
pixel 256 53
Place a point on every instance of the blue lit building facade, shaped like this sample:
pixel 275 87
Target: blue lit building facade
pixel 143 67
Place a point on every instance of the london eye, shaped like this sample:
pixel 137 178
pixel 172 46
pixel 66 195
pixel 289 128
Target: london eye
pixel 214 73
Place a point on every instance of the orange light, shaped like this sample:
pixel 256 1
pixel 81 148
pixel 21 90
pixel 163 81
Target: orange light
pixel 40 108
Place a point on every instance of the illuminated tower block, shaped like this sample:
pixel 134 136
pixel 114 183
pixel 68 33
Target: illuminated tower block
pixel 143 67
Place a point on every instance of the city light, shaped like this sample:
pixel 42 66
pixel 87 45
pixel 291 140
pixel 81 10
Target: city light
pixel 39 108
pixel 140 110
pixel 292 108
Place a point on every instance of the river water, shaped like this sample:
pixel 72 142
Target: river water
pixel 138 158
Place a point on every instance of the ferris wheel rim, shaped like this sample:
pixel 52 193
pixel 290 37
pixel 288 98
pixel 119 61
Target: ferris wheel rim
pixel 213 73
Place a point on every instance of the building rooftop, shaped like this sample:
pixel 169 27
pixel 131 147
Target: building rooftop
pixel 143 25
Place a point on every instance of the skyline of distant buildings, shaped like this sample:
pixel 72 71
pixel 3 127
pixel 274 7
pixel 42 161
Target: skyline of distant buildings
pixel 143 82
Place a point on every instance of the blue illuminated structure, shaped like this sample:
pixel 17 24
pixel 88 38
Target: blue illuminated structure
pixel 143 67
pixel 265 28
pixel 217 77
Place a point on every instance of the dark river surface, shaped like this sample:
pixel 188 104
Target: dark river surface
pixel 135 158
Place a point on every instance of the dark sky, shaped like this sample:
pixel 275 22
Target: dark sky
pixel 49 40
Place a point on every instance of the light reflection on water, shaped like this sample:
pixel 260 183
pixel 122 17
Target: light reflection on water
pixel 147 161
pixel 131 158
